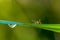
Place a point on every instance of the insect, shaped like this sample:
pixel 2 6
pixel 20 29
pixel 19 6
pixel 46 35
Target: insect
pixel 36 21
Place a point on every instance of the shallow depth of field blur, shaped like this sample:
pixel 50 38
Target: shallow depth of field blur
pixel 26 11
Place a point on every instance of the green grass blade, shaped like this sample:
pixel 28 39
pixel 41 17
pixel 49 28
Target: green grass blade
pixel 51 27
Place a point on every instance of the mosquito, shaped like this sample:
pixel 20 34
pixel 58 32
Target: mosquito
pixel 36 21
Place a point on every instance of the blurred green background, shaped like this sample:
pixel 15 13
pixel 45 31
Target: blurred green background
pixel 26 11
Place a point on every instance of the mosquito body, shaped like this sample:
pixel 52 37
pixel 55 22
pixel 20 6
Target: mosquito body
pixel 36 21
